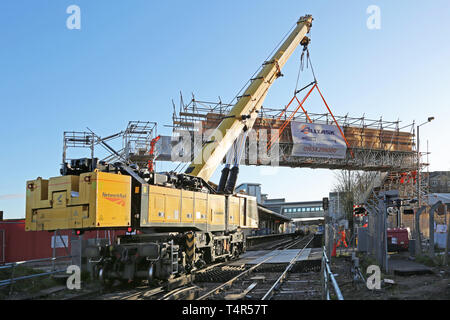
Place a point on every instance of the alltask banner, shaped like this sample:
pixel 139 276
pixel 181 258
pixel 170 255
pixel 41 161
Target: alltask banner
pixel 317 140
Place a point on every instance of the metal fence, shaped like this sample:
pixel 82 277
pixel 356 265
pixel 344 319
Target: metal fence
pixel 328 279
pixel 377 240
pixel 13 265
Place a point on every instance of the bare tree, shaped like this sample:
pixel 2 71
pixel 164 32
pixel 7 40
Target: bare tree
pixel 345 184
pixel 351 184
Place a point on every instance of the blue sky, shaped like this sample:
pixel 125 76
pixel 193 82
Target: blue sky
pixel 130 58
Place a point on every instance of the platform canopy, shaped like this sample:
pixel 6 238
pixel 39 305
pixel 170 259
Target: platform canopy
pixel 266 214
pixel 308 219
pixel 435 197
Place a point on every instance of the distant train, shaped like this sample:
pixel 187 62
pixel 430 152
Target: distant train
pixel 317 230
pixel 306 229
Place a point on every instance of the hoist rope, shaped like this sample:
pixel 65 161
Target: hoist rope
pixel 300 103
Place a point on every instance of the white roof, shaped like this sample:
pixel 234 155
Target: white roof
pixel 435 197
pixel 307 219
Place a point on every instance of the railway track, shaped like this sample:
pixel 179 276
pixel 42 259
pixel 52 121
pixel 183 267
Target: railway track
pixel 179 288
pixel 270 279
pixel 220 275
pixel 275 288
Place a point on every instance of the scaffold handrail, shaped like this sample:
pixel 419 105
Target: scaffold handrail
pixel 210 109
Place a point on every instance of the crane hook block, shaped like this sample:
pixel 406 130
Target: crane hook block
pixel 305 42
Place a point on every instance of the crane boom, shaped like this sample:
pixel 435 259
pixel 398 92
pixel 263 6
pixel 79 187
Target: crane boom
pixel 245 111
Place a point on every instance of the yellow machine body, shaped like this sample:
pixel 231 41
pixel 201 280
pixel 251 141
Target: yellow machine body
pixel 104 200
pixel 177 208
pixel 91 200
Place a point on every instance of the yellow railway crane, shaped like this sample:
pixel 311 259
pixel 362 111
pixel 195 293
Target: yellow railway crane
pixel 181 222
pixel 244 113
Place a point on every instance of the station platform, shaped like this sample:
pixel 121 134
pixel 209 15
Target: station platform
pixel 404 267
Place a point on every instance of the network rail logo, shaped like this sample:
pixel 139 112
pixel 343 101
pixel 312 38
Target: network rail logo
pixel 118 199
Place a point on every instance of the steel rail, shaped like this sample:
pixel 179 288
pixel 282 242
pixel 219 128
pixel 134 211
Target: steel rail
pixel 269 293
pixel 229 282
pixel 198 271
pixel 147 293
pixel 167 295
pixel 133 296
pixel 144 293
pixel 173 295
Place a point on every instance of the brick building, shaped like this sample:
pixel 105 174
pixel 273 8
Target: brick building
pixel 439 181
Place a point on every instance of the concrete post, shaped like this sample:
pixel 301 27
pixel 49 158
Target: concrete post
pixel 327 232
pixel 448 238
pixel 76 245
pixel 385 238
pixel 377 242
pixel 54 250
pixel 417 231
pixel 431 227
pixel 382 232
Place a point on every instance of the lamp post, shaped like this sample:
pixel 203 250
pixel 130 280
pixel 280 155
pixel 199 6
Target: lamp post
pixel 417 223
pixel 418 159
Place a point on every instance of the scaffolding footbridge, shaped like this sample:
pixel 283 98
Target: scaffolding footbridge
pixel 373 145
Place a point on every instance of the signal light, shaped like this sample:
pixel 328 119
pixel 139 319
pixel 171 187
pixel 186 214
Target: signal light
pixel 359 211
pixel 325 204
pixel 129 229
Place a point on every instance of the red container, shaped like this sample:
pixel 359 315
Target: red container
pixel 398 239
pixel 16 244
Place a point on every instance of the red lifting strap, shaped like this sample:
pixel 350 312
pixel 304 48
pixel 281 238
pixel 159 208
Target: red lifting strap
pixel 337 124
pixel 300 105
